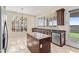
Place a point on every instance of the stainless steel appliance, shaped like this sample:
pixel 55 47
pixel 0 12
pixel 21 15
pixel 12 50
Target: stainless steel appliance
pixel 5 37
pixel 3 30
pixel 56 38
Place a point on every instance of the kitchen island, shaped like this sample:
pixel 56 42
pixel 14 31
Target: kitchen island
pixel 39 42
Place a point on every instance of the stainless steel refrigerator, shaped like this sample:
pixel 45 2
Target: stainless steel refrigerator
pixel 3 30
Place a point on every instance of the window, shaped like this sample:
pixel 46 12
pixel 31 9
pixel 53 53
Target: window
pixel 18 24
pixel 50 22
pixel 41 22
pixel 74 20
pixel 54 22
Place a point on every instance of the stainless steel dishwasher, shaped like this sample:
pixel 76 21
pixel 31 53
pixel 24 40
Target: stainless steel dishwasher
pixel 56 38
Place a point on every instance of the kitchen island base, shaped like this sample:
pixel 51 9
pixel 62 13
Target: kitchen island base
pixel 38 43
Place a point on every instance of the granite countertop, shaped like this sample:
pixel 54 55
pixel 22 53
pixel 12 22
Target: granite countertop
pixel 58 31
pixel 38 35
pixel 53 30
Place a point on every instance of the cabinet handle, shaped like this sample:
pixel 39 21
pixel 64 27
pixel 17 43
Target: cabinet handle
pixel 40 45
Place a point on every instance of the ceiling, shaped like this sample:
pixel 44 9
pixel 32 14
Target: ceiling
pixel 38 10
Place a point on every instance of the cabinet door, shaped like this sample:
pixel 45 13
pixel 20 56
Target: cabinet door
pixel 60 17
pixel 45 46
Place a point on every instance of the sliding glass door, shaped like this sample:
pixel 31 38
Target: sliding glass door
pixel 74 32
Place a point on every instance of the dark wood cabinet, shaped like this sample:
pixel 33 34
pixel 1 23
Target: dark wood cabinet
pixel 60 16
pixel 38 42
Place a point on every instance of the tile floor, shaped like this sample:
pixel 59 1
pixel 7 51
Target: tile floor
pixel 17 43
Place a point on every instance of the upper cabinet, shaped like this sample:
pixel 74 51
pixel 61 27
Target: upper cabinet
pixel 60 16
